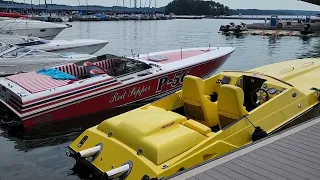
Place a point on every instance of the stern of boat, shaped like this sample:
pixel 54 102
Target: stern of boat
pixel 137 144
pixel 93 151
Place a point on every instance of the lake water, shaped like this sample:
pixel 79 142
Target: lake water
pixel 42 156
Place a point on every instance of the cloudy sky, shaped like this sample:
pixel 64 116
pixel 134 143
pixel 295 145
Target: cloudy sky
pixel 258 4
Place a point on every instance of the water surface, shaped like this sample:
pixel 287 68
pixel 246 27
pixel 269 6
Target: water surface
pixel 36 155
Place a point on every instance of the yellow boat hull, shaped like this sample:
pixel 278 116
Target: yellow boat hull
pixel 204 120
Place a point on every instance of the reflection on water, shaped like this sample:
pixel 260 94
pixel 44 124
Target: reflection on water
pixel 40 153
pixel 309 52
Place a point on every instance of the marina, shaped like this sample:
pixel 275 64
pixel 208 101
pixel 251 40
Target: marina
pixel 157 90
pixel 33 144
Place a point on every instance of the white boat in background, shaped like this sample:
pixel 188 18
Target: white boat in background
pixel 86 46
pixel 32 28
pixel 14 59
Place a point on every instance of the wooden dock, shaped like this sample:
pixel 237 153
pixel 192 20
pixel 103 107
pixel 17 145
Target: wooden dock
pixel 293 154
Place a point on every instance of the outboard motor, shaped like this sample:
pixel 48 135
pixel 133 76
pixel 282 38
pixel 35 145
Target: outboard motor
pixel 8 118
pixel 222 28
pixel 244 26
pixel 238 29
pixel 225 28
pixel 306 30
pixel 4 116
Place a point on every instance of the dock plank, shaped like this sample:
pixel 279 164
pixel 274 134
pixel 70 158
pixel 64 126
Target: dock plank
pixel 298 169
pixel 244 171
pixel 265 169
pixel 215 174
pixel 294 158
pixel 203 176
pixel 231 173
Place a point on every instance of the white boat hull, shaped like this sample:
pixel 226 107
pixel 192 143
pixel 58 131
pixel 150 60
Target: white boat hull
pixel 75 46
pixel 44 33
pixel 26 27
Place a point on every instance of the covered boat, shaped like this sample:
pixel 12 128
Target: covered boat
pixel 204 120
pixel 87 87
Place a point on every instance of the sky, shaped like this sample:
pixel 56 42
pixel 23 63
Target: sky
pixel 233 4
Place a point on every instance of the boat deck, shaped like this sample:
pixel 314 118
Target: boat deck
pixel 293 154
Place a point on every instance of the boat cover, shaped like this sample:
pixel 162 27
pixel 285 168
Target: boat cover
pixel 56 74
pixel 157 132
pixel 34 82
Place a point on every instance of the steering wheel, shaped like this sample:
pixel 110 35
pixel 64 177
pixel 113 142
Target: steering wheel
pixel 121 66
pixel 259 96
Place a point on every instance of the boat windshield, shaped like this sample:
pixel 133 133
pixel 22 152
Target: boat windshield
pixel 124 67
pixel 20 52
pixel 5 46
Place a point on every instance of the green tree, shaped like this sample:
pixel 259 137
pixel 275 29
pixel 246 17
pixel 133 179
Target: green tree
pixel 196 7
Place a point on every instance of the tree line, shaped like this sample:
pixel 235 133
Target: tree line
pixel 196 7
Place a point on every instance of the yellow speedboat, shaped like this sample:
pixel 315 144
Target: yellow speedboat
pixel 204 120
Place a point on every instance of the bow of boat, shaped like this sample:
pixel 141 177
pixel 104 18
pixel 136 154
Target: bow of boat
pixel 187 57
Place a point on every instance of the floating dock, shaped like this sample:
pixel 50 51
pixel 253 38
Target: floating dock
pixel 293 154
pixel 272 33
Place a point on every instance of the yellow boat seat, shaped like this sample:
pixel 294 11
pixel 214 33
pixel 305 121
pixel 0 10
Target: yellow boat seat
pixel 230 105
pixel 197 105
pixel 202 129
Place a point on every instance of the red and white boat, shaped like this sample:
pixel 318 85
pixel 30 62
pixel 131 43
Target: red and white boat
pixel 36 98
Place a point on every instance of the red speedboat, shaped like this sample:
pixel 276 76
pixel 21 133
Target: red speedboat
pixel 77 89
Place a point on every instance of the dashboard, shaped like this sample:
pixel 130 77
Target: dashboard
pixel 272 90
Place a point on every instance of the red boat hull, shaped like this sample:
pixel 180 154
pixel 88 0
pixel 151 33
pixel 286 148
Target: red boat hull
pixel 130 94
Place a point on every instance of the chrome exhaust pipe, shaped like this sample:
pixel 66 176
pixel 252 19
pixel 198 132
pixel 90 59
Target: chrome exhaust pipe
pixel 121 172
pixel 89 152
pixel 118 172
